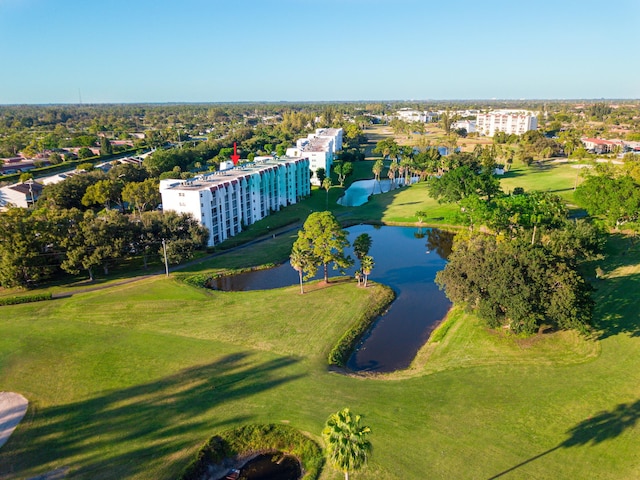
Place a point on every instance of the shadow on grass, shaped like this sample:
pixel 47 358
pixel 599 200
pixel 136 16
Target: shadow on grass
pixel 617 309
pixel 120 433
pixel 592 431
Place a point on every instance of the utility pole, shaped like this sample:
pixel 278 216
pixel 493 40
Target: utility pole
pixel 166 263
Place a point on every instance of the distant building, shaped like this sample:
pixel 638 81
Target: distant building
pixel 598 145
pixel 227 200
pixel 510 122
pixel 468 125
pixel 410 115
pixel 20 195
pixel 320 148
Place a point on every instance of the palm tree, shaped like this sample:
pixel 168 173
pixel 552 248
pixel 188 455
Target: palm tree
pixel 346 441
pixel 361 245
pixel 377 170
pixel 393 169
pixel 358 276
pixel 299 260
pixel 366 265
pixel 326 184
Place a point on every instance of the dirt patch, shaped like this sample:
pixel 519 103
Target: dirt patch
pixel 13 406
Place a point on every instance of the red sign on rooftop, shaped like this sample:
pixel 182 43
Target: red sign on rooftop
pixel 235 157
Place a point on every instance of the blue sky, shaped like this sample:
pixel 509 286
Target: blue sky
pixel 54 51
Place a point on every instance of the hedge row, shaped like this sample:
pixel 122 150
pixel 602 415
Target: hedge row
pixel 38 297
pixel 340 353
pixel 250 439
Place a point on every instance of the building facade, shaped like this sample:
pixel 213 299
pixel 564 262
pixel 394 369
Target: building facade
pixel 507 121
pixel 468 125
pixel 20 195
pixel 228 200
pixel 410 115
pixel 599 145
pixel 320 148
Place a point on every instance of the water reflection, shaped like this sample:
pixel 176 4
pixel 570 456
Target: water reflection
pixel 404 261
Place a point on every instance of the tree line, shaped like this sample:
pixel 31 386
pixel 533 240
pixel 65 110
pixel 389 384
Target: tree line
pixel 37 244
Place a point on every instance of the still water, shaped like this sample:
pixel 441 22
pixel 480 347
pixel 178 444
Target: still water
pixel 271 467
pixel 407 260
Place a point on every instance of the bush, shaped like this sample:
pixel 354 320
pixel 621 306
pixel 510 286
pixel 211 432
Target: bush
pixel 38 297
pixel 249 439
pixel 340 353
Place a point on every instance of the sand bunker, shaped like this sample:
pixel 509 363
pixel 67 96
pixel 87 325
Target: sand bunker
pixel 13 406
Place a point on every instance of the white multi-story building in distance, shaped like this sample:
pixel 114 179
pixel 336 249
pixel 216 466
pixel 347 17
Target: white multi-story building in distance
pixel 226 200
pixel 468 125
pixel 508 121
pixel 320 148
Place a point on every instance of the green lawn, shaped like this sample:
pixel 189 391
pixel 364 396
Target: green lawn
pixel 128 382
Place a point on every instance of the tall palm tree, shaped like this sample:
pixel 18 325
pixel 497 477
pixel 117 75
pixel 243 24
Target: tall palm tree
pixel 361 245
pixel 377 170
pixel 346 441
pixel 393 169
pixel 366 265
pixel 299 260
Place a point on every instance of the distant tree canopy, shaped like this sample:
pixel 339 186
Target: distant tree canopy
pixel 616 198
pixel 462 182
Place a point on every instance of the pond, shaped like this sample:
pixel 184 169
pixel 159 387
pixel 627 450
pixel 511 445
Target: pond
pixel 359 192
pixel 407 260
pixel 271 467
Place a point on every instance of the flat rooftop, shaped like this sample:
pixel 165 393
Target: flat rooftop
pixel 328 131
pixel 316 144
pixel 209 179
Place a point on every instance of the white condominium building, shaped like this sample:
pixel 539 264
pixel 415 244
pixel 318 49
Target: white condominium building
pixel 468 125
pixel 410 115
pixel 509 121
pixel 320 148
pixel 227 200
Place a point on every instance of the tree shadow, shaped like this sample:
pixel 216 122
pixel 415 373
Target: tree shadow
pixel 154 419
pixel 616 312
pixel 617 309
pixel 594 430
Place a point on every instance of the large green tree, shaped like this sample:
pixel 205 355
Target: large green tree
pixel 514 284
pixel 103 192
pixel 26 253
pixel 142 195
pixel 346 441
pixel 615 198
pixel 342 170
pixel 323 236
pixel 387 148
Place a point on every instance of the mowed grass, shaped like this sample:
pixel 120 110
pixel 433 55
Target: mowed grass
pixel 128 382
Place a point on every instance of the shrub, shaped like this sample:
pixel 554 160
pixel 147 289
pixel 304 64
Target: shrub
pixel 340 353
pixel 249 439
pixel 38 297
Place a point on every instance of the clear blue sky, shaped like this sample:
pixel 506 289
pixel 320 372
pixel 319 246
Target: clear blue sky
pixel 53 51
